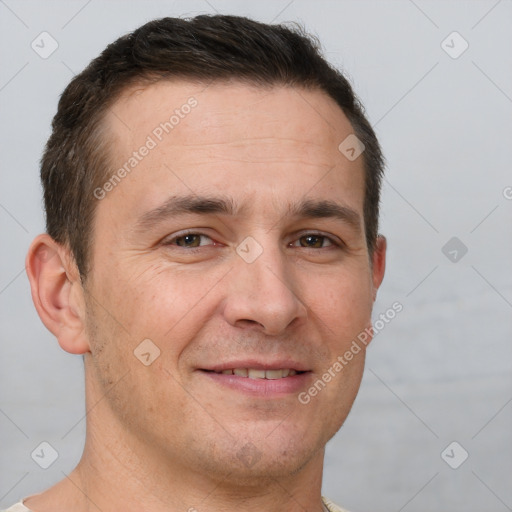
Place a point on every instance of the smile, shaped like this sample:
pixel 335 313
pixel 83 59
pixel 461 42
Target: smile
pixel 253 373
pixel 253 379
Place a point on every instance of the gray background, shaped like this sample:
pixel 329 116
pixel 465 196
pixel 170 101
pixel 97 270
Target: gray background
pixel 441 370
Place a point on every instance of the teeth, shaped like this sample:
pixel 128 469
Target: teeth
pixel 274 374
pixel 255 374
pixel 252 373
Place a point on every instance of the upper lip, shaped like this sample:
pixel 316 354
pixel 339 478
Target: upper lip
pixel 258 365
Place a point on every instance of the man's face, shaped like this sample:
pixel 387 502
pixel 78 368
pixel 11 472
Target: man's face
pixel 223 248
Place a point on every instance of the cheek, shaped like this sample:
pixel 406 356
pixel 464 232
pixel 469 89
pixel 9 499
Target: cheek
pixel 343 305
pixel 161 303
pixel 344 312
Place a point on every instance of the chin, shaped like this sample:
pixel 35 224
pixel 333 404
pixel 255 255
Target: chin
pixel 271 466
pixel 256 459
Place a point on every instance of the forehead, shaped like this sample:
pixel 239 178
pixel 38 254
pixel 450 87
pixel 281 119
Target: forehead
pixel 232 136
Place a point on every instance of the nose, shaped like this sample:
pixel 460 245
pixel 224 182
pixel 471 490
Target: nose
pixel 263 294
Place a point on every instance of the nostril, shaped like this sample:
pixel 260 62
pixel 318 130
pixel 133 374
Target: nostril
pixel 247 323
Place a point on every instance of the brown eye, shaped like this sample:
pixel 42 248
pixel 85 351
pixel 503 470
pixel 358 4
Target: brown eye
pixel 189 240
pixel 313 241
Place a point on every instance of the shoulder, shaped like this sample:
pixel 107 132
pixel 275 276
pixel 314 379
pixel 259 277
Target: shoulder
pixel 332 507
pixel 17 507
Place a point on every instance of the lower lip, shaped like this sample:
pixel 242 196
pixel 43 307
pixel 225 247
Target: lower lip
pixel 267 388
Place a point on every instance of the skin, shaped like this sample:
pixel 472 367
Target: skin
pixel 168 436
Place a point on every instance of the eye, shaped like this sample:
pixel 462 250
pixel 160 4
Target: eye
pixel 313 241
pixel 191 240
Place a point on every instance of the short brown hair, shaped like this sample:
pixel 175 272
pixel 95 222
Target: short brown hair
pixel 201 49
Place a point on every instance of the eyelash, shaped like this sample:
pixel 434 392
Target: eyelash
pixel 170 241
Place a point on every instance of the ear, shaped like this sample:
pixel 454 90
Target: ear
pixel 378 263
pixel 57 292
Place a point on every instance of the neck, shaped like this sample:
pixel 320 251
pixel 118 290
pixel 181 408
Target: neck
pixel 121 480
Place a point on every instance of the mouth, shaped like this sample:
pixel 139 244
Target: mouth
pixel 255 373
pixel 260 379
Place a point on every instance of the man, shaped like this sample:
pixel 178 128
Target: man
pixel 211 189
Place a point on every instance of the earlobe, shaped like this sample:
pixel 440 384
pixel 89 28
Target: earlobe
pixel 379 263
pixel 57 292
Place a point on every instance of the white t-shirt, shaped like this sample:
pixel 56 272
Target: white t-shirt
pixel 18 507
pixel 329 506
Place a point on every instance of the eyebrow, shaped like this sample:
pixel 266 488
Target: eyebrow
pixel 183 205
pixel 324 209
pixel 176 206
